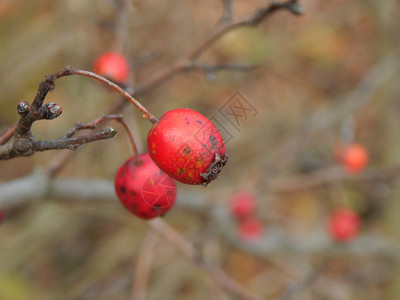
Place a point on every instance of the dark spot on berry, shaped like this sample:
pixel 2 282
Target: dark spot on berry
pixel 181 171
pixel 186 150
pixel 132 193
pixel 122 189
pixel 213 140
pixel 187 123
pixel 198 121
pixel 156 207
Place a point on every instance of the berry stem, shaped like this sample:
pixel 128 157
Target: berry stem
pixel 146 114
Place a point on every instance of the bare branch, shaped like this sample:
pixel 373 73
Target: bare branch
pixel 210 70
pixel 38 185
pixel 179 66
pixel 187 249
pixel 27 147
pixel 95 123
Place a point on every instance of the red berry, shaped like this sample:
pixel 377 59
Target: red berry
pixel 1 216
pixel 112 65
pixel 143 188
pixel 250 230
pixel 187 146
pixel 354 157
pixel 243 205
pixel 344 225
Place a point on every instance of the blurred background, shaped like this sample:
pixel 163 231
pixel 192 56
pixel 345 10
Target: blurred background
pixel 323 79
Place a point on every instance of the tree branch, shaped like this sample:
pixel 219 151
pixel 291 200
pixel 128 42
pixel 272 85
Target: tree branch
pixel 223 28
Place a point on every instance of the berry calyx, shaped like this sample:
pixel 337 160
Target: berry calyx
pixel 354 157
pixel 344 225
pixel 187 146
pixel 143 188
pixel 243 205
pixel 250 230
pixel 112 65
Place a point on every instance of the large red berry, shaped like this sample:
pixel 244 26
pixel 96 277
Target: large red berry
pixel 354 157
pixel 243 205
pixel 112 65
pixel 187 146
pixel 344 224
pixel 250 230
pixel 143 188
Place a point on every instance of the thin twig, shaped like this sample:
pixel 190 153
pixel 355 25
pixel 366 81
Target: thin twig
pixel 143 266
pixel 98 121
pixel 261 15
pixel 187 249
pixel 227 15
pixel 7 134
pixel 305 282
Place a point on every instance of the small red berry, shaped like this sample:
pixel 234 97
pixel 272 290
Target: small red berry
pixel 1 216
pixel 187 146
pixel 344 225
pixel 112 65
pixel 243 205
pixel 250 230
pixel 143 188
pixel 354 157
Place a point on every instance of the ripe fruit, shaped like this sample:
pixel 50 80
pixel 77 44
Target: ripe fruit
pixel 187 146
pixel 112 65
pixel 354 157
pixel 250 230
pixel 243 205
pixel 143 188
pixel 344 225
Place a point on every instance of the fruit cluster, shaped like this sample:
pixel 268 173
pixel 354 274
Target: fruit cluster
pixel 183 145
pixel 344 225
pixel 354 158
pixel 243 209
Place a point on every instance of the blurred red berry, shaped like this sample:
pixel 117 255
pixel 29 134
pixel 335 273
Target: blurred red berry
pixel 143 188
pixel 187 146
pixel 250 230
pixel 113 66
pixel 1 216
pixel 354 157
pixel 243 205
pixel 344 225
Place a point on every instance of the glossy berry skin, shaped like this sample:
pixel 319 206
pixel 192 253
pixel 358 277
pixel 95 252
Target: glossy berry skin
pixel 113 66
pixel 187 146
pixel 354 158
pixel 344 225
pixel 243 205
pixel 250 230
pixel 143 188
